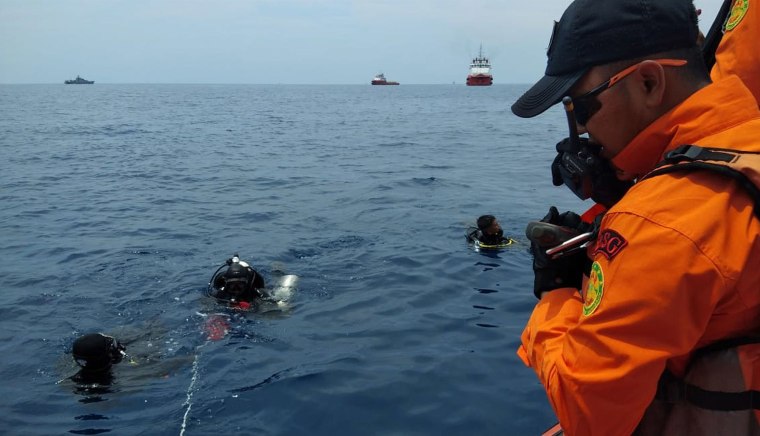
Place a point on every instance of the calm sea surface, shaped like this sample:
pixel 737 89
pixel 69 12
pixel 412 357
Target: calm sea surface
pixel 118 202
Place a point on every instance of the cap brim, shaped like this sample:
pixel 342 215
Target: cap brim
pixel 544 94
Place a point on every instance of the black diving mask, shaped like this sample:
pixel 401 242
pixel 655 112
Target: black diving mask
pixel 235 286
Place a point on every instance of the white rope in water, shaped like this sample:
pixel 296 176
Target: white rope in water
pixel 190 389
pixel 188 401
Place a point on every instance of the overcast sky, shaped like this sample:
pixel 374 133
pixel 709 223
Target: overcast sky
pixel 276 41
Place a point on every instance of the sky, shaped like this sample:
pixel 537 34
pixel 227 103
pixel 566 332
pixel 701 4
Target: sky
pixel 277 41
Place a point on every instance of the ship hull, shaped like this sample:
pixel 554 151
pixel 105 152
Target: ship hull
pixel 79 81
pixel 479 80
pixel 376 82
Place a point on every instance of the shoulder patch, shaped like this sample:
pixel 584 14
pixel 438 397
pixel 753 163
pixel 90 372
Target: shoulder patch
pixel 609 243
pixel 738 11
pixel 594 290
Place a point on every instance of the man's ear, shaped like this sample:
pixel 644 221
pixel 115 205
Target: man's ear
pixel 651 79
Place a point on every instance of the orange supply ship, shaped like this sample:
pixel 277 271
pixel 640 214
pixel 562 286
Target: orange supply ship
pixel 480 71
pixel 380 80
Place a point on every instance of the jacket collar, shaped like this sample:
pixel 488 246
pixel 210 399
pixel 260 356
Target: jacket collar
pixel 708 111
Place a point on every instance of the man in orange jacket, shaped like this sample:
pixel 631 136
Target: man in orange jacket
pixel 675 263
pixel 739 49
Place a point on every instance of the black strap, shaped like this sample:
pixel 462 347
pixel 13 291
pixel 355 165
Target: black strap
pixel 691 153
pixel 722 401
pixel 725 344
pixel 715 34
pixel 672 389
pixel 689 157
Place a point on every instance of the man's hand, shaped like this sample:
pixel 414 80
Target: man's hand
pixel 566 271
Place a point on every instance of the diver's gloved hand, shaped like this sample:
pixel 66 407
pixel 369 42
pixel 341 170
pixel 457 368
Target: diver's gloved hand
pixel 567 271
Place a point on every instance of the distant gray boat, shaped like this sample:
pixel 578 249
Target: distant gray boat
pixel 79 81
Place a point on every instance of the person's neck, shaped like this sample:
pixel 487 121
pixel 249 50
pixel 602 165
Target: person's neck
pixel 678 91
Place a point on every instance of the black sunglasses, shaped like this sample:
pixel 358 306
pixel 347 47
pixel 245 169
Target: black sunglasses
pixel 586 105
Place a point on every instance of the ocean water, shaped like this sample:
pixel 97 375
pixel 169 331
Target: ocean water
pixel 118 202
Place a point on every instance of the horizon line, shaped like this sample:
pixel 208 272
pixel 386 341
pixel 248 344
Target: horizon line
pixel 252 83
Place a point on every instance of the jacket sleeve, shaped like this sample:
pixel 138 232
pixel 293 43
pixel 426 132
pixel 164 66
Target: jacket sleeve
pixel 600 364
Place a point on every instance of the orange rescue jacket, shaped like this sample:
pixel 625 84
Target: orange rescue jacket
pixel 739 49
pixel 676 267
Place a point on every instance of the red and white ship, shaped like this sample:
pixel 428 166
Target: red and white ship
pixel 480 71
pixel 381 80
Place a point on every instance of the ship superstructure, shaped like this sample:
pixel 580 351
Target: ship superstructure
pixel 480 71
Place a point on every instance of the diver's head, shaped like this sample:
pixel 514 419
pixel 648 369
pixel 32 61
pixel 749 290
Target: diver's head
pixel 489 225
pixel 238 283
pixel 238 279
pixel 97 352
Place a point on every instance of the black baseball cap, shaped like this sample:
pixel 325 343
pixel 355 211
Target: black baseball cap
pixel 597 32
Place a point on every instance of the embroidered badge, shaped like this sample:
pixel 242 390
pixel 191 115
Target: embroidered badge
pixel 594 289
pixel 609 243
pixel 738 11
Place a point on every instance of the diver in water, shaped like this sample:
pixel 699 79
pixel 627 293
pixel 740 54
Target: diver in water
pixel 95 353
pixel 239 284
pixel 488 232
pixel 236 283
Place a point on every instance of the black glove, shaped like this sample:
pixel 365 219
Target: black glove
pixel 566 271
pixel 566 219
